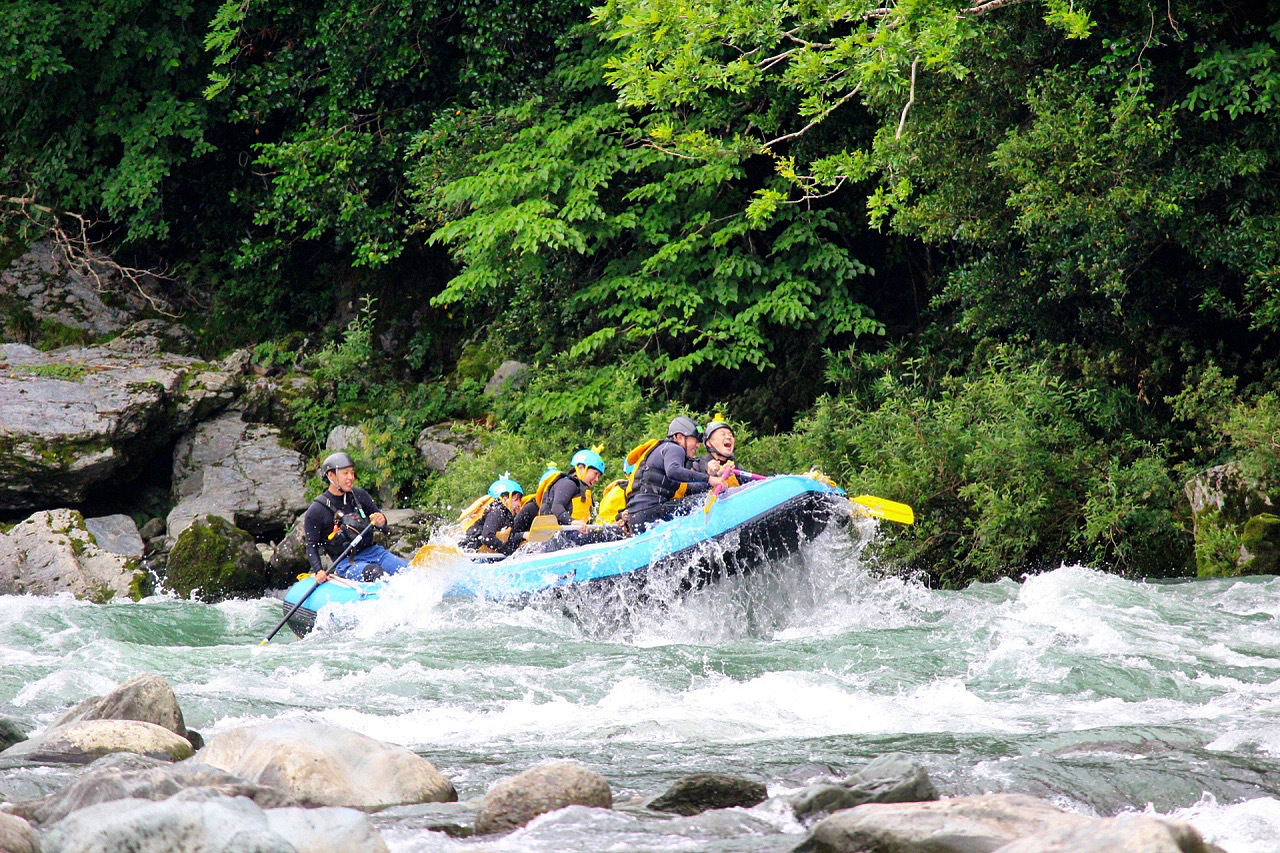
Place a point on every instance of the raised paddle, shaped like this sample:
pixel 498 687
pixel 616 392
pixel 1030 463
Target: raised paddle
pixel 883 508
pixel 295 607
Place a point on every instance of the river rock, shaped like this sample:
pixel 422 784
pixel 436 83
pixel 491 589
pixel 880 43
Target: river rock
pixel 1224 503
pixel 510 376
pixel 117 534
pixel 17 836
pixel 10 733
pixel 289 557
pixel 1136 834
pixel 237 471
pixel 52 552
pixel 123 776
pixel 440 444
pixel 892 778
pixel 323 765
pixel 87 740
pixel 146 698
pixel 213 560
pixel 200 821
pixel 76 420
pixel 153 529
pixel 694 794
pixel 959 825
pixel 516 800
pixel 345 437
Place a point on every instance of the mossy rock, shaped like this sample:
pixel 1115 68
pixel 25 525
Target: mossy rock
pixel 1261 543
pixel 213 560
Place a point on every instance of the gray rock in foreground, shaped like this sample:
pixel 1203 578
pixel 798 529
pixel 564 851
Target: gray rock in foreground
pixel 147 698
pixel 696 793
pixel 892 778
pixel 17 836
pixel 198 822
pixel 1115 835
pixel 123 776
pixel 323 765
pixel 516 800
pixel 88 740
pixel 960 825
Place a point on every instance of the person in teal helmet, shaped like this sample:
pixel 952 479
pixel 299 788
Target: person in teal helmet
pixel 493 530
pixel 568 496
pixel 524 518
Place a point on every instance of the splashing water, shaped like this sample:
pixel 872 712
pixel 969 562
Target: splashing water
pixel 1101 694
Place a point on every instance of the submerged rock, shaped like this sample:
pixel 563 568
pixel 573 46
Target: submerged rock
pixel 516 800
pixel 198 821
pixel 52 551
pixel 213 560
pixel 323 765
pixel 892 778
pixel 958 825
pixel 699 792
pixel 123 776
pixel 87 740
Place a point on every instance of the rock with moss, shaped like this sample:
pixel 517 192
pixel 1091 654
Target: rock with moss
pixel 1223 502
pixel 42 283
pixel 213 560
pixel 75 420
pixel 1260 545
pixel 52 551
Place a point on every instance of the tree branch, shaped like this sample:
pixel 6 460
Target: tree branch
pixel 911 99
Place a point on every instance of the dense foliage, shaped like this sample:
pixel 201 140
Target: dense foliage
pixel 1016 263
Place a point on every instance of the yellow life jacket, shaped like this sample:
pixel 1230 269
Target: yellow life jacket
pixel 637 457
pixel 474 514
pixel 612 502
pixel 579 507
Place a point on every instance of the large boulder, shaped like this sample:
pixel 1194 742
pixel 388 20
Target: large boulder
pixel 203 822
pixel 516 800
pixel 960 825
pixel 510 376
pixel 322 765
pixel 1136 834
pixel 440 444
pixel 892 778
pixel 240 472
pixel 17 836
pixel 213 560
pixel 88 740
pixel 1227 508
pixel 73 421
pixel 696 793
pixel 122 776
pixel 42 285
pixel 52 551
pixel 146 698
pixel 117 534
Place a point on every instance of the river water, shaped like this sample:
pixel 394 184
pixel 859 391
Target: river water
pixel 1102 694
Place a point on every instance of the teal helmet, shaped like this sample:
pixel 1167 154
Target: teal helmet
pixel 504 485
pixel 628 467
pixel 589 458
pixel 547 473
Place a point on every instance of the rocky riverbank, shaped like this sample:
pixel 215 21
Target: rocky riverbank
pixel 150 784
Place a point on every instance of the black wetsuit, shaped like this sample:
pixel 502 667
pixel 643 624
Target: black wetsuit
pixel 559 497
pixel 485 531
pixel 356 506
pixel 524 519
pixel 659 477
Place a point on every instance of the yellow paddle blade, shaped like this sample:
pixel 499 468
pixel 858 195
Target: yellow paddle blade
pixel 436 555
pixel 543 528
pixel 883 508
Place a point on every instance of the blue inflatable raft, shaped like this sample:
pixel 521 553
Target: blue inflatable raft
pixel 762 521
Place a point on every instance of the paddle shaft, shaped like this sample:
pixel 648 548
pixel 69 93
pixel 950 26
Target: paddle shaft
pixel 302 600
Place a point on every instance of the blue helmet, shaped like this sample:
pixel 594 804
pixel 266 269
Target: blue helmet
pixel 589 458
pixel 550 471
pixel 504 485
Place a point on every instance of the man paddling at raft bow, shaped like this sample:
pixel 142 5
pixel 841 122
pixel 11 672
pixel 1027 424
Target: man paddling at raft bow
pixel 336 517
pixel 666 474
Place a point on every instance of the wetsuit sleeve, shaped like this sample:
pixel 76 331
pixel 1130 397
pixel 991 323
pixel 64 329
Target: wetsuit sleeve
pixel 675 467
pixel 559 499
pixel 524 518
pixel 494 520
pixel 315 527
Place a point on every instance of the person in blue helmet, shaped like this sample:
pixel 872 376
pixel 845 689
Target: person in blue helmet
pixel 666 475
pixel 567 496
pixel 336 517
pixel 529 511
pixel 492 527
